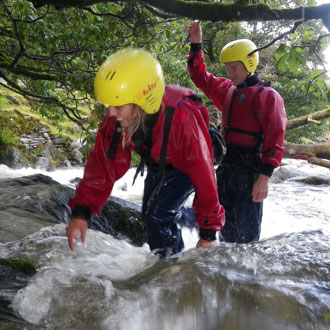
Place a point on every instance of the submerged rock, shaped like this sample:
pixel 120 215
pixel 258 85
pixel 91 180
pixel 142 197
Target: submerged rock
pixel 14 275
pixel 30 203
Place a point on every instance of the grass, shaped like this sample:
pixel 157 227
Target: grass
pixel 12 104
pixel 7 137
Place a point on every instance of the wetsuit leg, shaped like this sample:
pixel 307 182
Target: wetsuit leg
pixel 243 216
pixel 163 200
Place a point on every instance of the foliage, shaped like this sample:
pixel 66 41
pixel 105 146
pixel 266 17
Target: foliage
pixel 7 138
pixel 50 55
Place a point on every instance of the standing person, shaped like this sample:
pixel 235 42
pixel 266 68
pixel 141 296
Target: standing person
pixel 253 125
pixel 131 84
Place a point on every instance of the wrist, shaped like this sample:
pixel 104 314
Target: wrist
pixel 196 46
pixel 207 234
pixel 81 212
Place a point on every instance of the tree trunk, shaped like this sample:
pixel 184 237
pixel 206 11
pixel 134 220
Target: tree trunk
pixel 311 153
pixel 311 118
pixel 318 154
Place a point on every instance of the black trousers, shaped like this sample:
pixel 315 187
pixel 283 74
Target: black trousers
pixel 243 216
pixel 163 209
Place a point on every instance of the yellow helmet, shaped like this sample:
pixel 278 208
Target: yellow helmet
pixel 129 76
pixel 237 51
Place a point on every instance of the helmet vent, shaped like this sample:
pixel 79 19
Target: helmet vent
pixel 110 75
pixel 150 99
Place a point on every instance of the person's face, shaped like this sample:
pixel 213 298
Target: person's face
pixel 124 114
pixel 236 72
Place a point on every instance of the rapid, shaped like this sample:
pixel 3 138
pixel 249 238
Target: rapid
pixel 280 282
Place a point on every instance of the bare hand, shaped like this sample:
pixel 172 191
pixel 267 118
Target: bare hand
pixel 76 226
pixel 260 188
pixel 195 32
pixel 208 244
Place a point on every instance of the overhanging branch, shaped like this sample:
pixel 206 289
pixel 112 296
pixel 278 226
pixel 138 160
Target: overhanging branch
pixel 213 11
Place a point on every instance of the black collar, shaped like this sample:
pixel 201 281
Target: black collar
pixel 250 80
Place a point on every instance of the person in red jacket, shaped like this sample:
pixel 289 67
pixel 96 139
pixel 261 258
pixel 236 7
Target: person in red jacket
pixel 253 126
pixel 131 84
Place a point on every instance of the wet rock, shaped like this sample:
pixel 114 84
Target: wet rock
pixel 286 172
pixel 30 203
pixel 14 269
pixel 313 180
pixel 14 275
pixel 13 158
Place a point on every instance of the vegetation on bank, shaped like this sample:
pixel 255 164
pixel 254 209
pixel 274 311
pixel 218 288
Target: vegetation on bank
pixel 18 117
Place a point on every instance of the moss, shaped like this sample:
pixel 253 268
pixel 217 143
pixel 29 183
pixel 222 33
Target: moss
pixel 18 122
pixel 22 266
pixel 327 317
pixel 125 221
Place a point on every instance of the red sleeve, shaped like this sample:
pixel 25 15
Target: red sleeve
pixel 191 153
pixel 100 171
pixel 273 122
pixel 215 88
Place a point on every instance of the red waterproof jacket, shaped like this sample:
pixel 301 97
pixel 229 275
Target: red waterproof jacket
pixel 257 109
pixel 188 150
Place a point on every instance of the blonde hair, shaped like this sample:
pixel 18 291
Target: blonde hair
pixel 136 122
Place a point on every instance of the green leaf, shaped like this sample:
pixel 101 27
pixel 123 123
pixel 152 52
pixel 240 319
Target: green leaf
pixel 281 64
pixel 280 51
pixel 307 36
pixel 296 62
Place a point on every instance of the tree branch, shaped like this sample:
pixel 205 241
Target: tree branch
pixel 213 11
pixel 25 71
pixel 300 121
pixel 44 99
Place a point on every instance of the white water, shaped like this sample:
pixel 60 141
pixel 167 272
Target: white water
pixel 290 206
pixel 290 265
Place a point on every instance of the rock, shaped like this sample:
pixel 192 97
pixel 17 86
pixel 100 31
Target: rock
pixel 14 275
pixel 75 145
pixel 66 163
pixel 30 203
pixel 13 158
pixel 49 151
pixel 313 180
pixel 60 141
pixel 285 172
pixel 12 99
pixel 76 157
pixel 10 268
pixel 44 163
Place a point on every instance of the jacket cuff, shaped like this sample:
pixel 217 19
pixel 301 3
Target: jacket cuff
pixel 196 47
pixel 82 211
pixel 267 169
pixel 207 234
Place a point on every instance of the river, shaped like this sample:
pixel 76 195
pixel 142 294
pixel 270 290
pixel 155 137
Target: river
pixel 281 282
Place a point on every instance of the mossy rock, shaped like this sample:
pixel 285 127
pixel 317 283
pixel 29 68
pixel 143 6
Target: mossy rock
pixel 12 268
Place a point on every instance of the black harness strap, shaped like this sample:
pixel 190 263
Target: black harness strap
pixel 139 169
pixel 114 142
pixel 257 135
pixel 169 112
